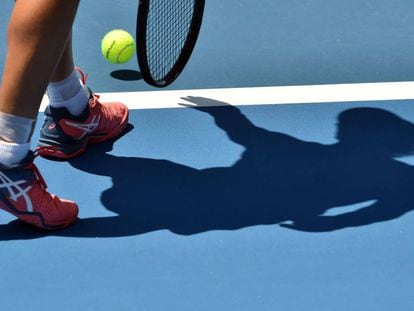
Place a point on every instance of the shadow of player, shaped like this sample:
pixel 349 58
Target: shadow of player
pixel 279 179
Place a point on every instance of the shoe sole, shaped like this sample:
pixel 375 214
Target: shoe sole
pixel 36 219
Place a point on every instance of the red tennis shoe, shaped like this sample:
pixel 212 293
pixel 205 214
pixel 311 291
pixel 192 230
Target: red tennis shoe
pixel 65 136
pixel 23 193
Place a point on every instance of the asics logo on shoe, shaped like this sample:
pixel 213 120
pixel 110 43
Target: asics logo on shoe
pixel 15 191
pixel 87 128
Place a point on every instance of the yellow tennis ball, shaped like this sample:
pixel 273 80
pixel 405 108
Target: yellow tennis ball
pixel 118 46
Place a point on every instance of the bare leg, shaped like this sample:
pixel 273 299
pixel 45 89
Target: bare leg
pixel 36 37
pixel 37 34
pixel 66 65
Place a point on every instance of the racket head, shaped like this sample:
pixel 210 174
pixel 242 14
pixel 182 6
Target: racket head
pixel 167 31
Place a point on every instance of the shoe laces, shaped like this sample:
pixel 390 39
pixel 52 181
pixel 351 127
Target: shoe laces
pixel 38 176
pixel 43 196
pixel 94 101
pixel 84 78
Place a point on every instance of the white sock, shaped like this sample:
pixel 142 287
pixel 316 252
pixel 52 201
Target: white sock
pixel 12 153
pixel 16 129
pixel 69 93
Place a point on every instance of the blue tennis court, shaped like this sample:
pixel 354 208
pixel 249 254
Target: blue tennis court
pixel 275 174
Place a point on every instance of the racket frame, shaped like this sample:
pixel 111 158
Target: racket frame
pixel 187 50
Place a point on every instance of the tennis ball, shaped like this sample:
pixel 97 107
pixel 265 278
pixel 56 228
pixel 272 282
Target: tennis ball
pixel 118 46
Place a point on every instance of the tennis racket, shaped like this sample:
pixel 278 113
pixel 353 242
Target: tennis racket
pixel 167 31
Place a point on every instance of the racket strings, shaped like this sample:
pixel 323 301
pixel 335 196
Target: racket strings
pixel 168 26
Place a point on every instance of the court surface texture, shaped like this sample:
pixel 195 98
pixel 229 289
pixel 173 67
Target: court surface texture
pixel 275 174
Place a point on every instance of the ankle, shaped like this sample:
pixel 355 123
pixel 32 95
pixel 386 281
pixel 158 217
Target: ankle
pixel 12 153
pixel 15 129
pixel 69 93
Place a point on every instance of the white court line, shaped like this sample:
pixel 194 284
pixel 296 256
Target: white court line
pixel 267 95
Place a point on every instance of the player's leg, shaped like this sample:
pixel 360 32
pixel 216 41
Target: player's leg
pixel 36 35
pixel 66 64
pixel 75 117
pixel 65 88
pixel 37 31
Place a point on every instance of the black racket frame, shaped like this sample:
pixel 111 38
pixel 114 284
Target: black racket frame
pixel 187 50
